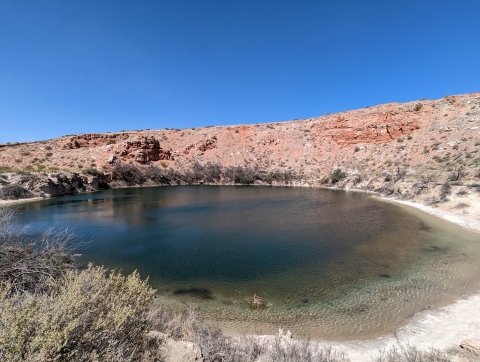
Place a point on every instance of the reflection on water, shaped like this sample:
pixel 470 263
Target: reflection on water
pixel 333 264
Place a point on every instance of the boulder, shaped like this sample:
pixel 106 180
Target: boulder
pixel 471 344
pixel 181 351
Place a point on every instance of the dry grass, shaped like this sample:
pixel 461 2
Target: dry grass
pixel 407 353
pixel 301 351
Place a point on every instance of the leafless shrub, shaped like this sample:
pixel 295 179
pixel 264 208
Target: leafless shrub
pixel 445 191
pixel 411 354
pixel 285 177
pixel 399 174
pixel 255 302
pixel 32 263
pixel 427 178
pixel 357 179
pixel 188 325
pixel 301 350
pixel 457 174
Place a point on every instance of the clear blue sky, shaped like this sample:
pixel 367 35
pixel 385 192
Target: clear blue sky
pixel 95 66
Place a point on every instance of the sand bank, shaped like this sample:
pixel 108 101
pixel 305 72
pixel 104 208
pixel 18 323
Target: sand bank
pixel 469 221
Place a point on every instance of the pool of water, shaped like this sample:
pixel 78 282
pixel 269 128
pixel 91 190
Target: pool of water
pixel 331 264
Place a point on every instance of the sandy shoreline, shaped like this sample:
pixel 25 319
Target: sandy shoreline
pixel 11 202
pixel 442 328
pixel 466 221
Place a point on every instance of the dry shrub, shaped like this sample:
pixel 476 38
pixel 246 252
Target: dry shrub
pixel 14 192
pixel 300 350
pixel 255 302
pixel 33 263
pixel 409 353
pixel 91 316
pixel 188 325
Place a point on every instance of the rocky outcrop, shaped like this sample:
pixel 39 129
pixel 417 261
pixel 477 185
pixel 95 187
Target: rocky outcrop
pixel 50 185
pixel 373 128
pixel 208 144
pixel 144 149
pixel 95 140
pixel 471 344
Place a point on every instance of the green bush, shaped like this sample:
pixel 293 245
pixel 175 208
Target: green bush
pixel 337 176
pixel 91 316
pixel 6 169
pixel 48 148
pixel 40 166
pixel 49 154
pixel 418 107
pixel 53 168
pixel 92 172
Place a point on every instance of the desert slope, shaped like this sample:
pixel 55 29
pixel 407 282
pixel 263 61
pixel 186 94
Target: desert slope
pixel 424 151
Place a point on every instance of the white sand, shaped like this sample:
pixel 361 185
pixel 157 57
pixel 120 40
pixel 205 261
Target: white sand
pixel 468 221
pixel 10 202
pixel 444 328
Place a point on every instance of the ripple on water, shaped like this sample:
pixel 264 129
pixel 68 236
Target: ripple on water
pixel 332 264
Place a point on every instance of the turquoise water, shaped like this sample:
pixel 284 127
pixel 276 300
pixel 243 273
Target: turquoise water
pixel 332 264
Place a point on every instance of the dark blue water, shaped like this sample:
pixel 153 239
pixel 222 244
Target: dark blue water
pixel 333 263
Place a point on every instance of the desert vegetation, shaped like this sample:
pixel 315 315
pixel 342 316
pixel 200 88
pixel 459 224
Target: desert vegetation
pixel 209 173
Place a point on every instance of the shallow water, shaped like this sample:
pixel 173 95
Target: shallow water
pixel 332 264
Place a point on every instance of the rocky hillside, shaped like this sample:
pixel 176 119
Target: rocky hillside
pixel 423 151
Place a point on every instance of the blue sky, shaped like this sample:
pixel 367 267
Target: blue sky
pixel 69 67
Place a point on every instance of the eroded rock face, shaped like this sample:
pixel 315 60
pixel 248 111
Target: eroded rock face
pixel 95 140
pixel 145 149
pixel 57 184
pixel 380 128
